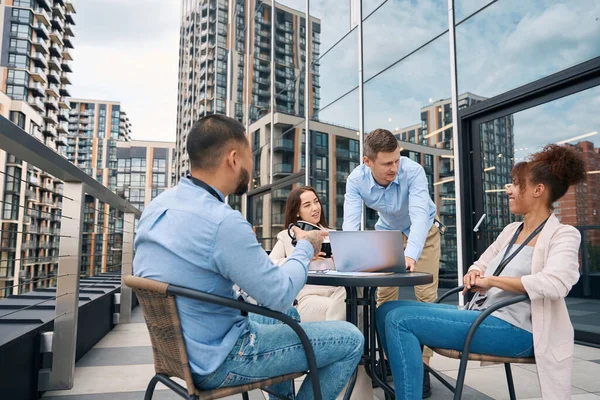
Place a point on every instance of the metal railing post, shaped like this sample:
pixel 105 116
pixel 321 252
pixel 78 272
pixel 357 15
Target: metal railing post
pixel 64 340
pixel 127 267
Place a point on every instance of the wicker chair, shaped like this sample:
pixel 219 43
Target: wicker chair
pixel 465 355
pixel 157 300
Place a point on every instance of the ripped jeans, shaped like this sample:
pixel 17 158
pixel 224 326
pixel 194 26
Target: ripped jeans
pixel 271 349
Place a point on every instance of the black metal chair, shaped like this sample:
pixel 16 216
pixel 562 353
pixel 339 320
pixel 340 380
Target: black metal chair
pixel 157 300
pixel 465 355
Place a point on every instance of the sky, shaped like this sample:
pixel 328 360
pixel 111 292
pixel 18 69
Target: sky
pixel 127 50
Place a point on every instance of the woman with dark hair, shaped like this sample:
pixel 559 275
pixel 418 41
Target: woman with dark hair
pixel 538 256
pixel 315 303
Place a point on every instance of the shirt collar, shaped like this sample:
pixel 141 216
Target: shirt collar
pixel 188 181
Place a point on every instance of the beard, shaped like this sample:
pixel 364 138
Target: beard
pixel 243 182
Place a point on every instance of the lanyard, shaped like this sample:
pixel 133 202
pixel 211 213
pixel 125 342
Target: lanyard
pixel 205 186
pixel 506 258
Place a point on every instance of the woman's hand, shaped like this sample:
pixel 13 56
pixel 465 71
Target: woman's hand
pixel 482 284
pixel 470 278
pixel 320 256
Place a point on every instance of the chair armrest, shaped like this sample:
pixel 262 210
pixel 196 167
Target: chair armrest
pixel 486 313
pixel 251 308
pixel 449 293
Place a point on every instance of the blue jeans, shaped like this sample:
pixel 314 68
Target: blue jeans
pixel 405 326
pixel 271 348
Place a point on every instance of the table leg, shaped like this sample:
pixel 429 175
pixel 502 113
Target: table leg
pixel 372 370
pixel 352 317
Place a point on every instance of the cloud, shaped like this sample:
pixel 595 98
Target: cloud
pixel 128 51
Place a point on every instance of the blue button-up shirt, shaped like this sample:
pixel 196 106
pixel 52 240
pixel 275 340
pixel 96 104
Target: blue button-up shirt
pixel 189 238
pixel 403 205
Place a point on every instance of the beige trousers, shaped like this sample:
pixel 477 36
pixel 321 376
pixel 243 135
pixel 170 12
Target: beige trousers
pixel 428 262
pixel 329 304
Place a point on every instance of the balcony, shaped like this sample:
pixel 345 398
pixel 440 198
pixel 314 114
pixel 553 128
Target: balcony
pixel 54 64
pixel 39 60
pixel 61 139
pixel 64 79
pixel 283 145
pixel 69 6
pixel 66 54
pixel 51 104
pixel 37 89
pixel 57 37
pixel 51 117
pixel 36 103
pixel 42 16
pixel 55 50
pixel 69 30
pixel 66 66
pixel 63 127
pixel 280 194
pixel 63 103
pixel 49 130
pixel 58 24
pixel 58 10
pixel 64 92
pixel 41 30
pixel 282 169
pixel 40 46
pixel 52 90
pixel 53 76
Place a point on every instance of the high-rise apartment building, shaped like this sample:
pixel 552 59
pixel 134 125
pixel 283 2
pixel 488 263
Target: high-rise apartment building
pixel 204 48
pixel 95 127
pixel 497 141
pixel 334 155
pixel 145 169
pixel 34 78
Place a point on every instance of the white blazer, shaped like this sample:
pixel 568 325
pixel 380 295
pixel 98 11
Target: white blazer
pixel 554 270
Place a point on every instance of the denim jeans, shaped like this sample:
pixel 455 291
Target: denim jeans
pixel 405 326
pixel 271 348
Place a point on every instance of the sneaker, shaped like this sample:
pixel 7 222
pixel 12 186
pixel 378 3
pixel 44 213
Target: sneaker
pixel 426 385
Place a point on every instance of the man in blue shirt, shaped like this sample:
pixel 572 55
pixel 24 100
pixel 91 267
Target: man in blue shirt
pixel 189 237
pixel 396 187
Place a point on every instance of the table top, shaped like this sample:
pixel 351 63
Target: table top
pixel 394 280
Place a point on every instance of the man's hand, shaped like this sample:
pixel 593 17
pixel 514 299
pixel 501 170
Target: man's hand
pixel 314 237
pixel 320 256
pixel 410 264
pixel 469 280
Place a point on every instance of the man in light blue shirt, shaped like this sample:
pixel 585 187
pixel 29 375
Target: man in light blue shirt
pixel 189 237
pixel 396 187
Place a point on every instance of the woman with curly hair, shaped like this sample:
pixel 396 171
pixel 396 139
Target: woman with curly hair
pixel 538 256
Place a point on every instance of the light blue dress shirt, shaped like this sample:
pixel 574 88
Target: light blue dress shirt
pixel 187 237
pixel 403 205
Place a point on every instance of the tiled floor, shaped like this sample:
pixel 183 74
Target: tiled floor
pixel 120 366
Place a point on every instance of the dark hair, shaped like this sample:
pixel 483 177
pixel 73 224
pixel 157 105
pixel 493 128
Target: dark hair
pixel 556 167
pixel 292 206
pixel 209 139
pixel 380 141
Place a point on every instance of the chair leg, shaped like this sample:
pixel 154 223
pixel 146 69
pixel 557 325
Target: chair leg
pixel 150 388
pixel 245 396
pixel 509 380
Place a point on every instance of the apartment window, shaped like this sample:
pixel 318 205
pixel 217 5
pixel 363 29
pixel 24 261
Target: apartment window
pixel 21 31
pixel 16 92
pixel 11 207
pixel 321 140
pixel 13 179
pixel 137 195
pixel 18 118
pixel 159 180
pixel 428 160
pixel 18 61
pixel 321 188
pixel 19 46
pixel 138 179
pixel 156 192
pixel 159 165
pixel 138 165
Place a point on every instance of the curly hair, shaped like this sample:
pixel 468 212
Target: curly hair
pixel 557 167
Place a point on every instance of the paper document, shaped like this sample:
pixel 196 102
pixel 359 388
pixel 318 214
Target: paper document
pixel 340 273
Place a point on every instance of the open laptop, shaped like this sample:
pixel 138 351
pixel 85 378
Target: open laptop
pixel 368 251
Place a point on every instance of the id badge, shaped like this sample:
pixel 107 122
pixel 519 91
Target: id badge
pixel 440 226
